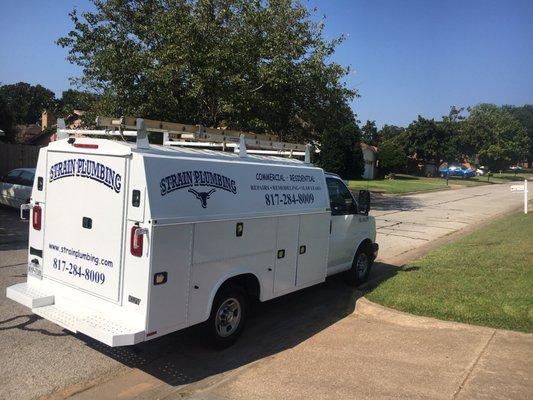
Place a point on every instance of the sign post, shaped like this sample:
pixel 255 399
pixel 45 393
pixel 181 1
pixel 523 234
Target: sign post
pixel 525 196
pixel 521 188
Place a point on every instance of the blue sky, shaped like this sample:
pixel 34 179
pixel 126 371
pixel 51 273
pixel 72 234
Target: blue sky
pixel 409 57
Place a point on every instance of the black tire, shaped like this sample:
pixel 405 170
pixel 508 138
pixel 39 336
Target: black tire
pixel 357 275
pixel 230 303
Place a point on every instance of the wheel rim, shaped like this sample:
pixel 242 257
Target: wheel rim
pixel 228 317
pixel 361 267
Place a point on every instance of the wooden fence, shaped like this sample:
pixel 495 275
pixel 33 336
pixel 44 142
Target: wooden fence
pixel 17 156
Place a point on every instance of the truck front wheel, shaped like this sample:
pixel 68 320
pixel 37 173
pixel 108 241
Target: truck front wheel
pixel 361 265
pixel 228 315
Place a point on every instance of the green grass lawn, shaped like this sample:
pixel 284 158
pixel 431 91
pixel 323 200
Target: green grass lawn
pixel 408 183
pixel 485 278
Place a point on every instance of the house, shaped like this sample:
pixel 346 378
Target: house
pixel 370 156
pixel 45 133
pixel 27 132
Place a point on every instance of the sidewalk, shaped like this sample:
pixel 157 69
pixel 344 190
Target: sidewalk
pixel 379 353
pixel 373 353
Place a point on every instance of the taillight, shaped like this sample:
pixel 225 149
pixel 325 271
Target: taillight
pixel 86 145
pixel 136 242
pixel 36 217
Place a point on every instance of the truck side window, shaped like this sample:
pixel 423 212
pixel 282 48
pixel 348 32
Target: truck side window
pixel 341 200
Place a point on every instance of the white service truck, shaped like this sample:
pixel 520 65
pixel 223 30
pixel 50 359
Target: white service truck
pixel 131 242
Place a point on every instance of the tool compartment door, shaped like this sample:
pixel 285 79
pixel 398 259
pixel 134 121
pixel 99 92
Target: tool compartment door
pixel 84 221
pixel 313 246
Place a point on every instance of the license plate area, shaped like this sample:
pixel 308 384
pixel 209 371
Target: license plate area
pixel 35 270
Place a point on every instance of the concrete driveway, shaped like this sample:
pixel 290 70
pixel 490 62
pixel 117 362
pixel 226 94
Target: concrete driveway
pixel 323 342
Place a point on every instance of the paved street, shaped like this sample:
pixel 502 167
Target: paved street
pixel 323 342
pixel 407 223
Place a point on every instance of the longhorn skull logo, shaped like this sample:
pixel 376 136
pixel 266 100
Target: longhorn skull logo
pixel 202 196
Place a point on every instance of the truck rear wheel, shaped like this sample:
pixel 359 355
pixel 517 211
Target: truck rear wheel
pixel 228 315
pixel 361 265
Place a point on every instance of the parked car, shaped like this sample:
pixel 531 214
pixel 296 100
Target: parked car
pixel 482 171
pixel 516 168
pixel 15 187
pixel 455 170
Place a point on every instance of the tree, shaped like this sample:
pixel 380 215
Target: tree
pixel 390 132
pixel 391 156
pixel 6 121
pixel 524 115
pixel 428 140
pixel 341 153
pixel 241 64
pixel 500 138
pixel 75 100
pixel 370 133
pixel 27 102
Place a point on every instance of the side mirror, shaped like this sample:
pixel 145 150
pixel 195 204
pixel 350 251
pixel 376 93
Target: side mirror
pixel 363 202
pixel 336 209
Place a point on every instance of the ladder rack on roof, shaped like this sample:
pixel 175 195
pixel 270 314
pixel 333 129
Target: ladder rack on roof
pixel 138 127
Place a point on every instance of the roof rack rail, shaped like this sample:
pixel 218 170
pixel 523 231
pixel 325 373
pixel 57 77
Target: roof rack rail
pixel 191 135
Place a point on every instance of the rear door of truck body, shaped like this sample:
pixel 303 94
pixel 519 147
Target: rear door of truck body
pixel 84 219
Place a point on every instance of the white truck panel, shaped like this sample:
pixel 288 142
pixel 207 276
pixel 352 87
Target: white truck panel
pixel 194 189
pixel 286 254
pixel 314 235
pixel 136 276
pixel 217 241
pixel 136 209
pixel 207 278
pixel 171 256
pixel 84 227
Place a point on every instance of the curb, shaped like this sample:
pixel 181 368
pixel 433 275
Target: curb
pixel 367 308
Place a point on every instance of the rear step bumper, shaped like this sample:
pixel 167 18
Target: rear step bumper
pixel 94 325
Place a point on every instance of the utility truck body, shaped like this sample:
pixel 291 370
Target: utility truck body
pixel 129 243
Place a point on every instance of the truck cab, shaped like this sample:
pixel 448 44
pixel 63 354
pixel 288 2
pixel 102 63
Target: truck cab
pixel 352 244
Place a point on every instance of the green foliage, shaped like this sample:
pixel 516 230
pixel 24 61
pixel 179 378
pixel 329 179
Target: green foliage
pixel 341 153
pixel 75 100
pixel 524 115
pixel 489 135
pixel 390 132
pixel 391 156
pixel 26 102
pixel 370 133
pixel 497 137
pixel 248 65
pixel 6 121
pixel 428 140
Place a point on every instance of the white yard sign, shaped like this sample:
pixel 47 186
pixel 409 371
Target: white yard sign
pixel 521 188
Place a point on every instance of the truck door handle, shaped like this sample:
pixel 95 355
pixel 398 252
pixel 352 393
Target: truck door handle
pixel 138 233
